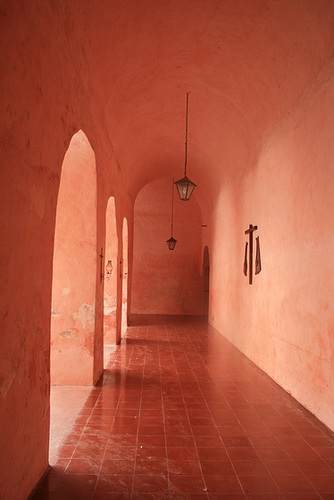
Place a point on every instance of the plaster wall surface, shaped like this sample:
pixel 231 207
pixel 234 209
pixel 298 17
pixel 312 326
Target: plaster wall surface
pixel 165 281
pixel 284 320
pixel 44 101
pixel 35 127
pixel 120 73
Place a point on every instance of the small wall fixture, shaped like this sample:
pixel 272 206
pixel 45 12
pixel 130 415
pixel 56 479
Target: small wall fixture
pixel 172 241
pixel 184 186
pixel 109 268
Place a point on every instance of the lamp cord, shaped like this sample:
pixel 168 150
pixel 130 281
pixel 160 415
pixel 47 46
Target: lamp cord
pixel 186 143
pixel 171 226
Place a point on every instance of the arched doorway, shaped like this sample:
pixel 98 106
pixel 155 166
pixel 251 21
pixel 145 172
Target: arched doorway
pixel 74 268
pixel 125 267
pixel 164 281
pixel 206 280
pixel 110 282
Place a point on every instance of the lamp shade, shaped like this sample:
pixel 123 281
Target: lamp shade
pixel 109 269
pixel 171 243
pixel 185 188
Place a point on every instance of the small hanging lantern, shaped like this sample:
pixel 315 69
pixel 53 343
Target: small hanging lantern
pixel 184 186
pixel 172 241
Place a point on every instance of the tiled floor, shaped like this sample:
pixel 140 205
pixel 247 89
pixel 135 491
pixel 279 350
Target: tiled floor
pixel 181 414
pixel 65 404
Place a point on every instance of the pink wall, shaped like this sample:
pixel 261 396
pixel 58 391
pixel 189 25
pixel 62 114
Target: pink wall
pixel 74 268
pixel 66 67
pixel 43 103
pixel 165 281
pixel 285 321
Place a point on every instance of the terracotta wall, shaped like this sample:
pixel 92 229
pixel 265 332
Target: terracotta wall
pixel 165 281
pixel 285 321
pixel 36 126
pixel 43 104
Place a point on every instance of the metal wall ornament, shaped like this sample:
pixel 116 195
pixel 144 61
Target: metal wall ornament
pixel 185 186
pixel 172 241
pixel 258 266
pixel 108 270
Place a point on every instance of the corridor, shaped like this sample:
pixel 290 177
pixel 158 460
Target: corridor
pixel 181 414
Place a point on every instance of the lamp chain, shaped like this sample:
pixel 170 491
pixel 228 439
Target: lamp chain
pixel 171 226
pixel 186 143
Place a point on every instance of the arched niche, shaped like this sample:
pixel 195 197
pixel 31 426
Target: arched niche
pixel 110 283
pixel 166 281
pixel 125 267
pixel 74 268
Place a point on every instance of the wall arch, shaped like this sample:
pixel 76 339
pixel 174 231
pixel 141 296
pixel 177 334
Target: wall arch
pixel 164 281
pixel 125 269
pixel 74 268
pixel 110 284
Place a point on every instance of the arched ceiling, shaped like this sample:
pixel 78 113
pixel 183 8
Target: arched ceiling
pixel 245 62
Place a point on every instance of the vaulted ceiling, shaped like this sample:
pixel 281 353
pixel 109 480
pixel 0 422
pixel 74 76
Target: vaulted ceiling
pixel 245 62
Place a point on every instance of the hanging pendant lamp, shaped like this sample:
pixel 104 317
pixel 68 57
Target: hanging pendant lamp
pixel 172 241
pixel 184 186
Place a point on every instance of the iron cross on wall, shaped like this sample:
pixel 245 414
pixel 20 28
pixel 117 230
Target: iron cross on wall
pixel 250 232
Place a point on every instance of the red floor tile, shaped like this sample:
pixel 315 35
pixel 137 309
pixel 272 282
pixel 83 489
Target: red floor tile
pixel 212 454
pixel 259 485
pixel 323 483
pixel 181 414
pixel 84 466
pixel 228 484
pixel 249 467
pixel 114 483
pixel 280 467
pixel 150 484
pixel 216 467
pixel 184 467
pixel 186 484
pixel 183 453
pixel 122 466
pixel 151 467
pixel 296 483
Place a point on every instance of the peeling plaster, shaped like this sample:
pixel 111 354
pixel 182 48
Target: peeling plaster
pixel 109 309
pixel 6 385
pixel 70 334
pixel 86 315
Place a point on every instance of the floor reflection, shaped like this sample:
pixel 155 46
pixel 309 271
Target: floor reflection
pixel 180 413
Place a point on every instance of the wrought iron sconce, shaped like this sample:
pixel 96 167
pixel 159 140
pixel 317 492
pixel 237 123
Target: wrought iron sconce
pixel 108 270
